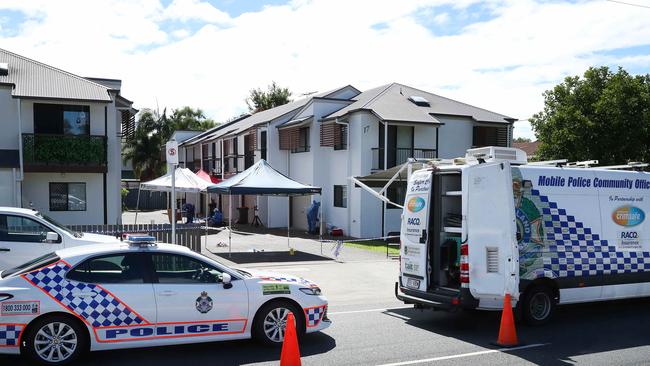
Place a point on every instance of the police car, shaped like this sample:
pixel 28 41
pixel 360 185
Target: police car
pixel 141 294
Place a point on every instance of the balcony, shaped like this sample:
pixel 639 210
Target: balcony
pixel 64 153
pixel 398 156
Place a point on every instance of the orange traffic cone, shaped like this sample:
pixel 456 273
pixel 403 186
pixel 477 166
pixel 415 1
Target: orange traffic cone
pixel 290 352
pixel 507 332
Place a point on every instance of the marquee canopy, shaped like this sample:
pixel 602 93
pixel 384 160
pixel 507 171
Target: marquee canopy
pixel 186 181
pixel 262 180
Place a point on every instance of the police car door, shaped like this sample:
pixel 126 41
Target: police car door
pixel 413 233
pixel 491 231
pixel 193 305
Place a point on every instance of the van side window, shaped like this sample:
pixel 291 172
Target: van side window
pixel 114 268
pixel 21 229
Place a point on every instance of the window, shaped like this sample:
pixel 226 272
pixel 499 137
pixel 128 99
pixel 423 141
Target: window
pixel 179 269
pixel 263 144
pixel 340 196
pixel 341 138
pixel 490 136
pixel 22 229
pixel 113 268
pixel 396 193
pixel 67 196
pixel 303 140
pixel 61 119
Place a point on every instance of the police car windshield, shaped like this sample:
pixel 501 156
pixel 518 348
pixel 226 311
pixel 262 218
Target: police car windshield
pixel 244 273
pixel 33 264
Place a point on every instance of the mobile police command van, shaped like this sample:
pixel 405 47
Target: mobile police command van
pixel 476 228
pixel 140 294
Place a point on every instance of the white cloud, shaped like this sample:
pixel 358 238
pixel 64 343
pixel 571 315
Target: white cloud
pixel 186 10
pixel 503 64
pixel 441 19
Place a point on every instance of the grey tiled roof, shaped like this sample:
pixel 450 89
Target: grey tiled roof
pixel 390 103
pixel 32 79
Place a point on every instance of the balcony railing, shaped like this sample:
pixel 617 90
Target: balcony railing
pixel 398 156
pixel 64 153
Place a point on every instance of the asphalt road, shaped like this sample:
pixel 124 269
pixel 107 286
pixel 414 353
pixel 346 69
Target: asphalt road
pixel 370 327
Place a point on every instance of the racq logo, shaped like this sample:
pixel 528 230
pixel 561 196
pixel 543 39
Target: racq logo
pixel 628 216
pixel 415 204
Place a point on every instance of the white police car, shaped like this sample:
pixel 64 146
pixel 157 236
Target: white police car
pixel 106 296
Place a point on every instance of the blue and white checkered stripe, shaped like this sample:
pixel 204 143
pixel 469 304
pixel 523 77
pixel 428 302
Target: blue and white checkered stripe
pixel 9 334
pixel 101 310
pixel 574 250
pixel 314 315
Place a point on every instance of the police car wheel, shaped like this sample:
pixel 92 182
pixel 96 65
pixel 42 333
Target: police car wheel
pixel 271 321
pixel 55 340
pixel 538 306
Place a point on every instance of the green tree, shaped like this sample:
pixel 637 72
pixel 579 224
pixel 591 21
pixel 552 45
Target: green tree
pixel 153 131
pixel 603 115
pixel 260 100
pixel 143 149
pixel 521 139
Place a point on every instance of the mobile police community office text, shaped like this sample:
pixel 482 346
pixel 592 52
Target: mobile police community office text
pixel 582 182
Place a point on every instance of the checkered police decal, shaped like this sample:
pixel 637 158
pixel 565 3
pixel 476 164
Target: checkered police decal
pixel 101 310
pixel 314 315
pixel 9 334
pixel 574 250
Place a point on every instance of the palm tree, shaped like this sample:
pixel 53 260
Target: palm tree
pixel 143 150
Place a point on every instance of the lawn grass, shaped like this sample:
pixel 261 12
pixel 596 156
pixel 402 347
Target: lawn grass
pixel 375 246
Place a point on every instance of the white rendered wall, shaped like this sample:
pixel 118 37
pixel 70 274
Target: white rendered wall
pixel 36 189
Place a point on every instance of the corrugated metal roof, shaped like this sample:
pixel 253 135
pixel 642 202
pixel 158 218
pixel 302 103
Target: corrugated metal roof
pixel 261 117
pixel 32 79
pixel 390 103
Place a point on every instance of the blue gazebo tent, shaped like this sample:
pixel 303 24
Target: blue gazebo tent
pixel 262 180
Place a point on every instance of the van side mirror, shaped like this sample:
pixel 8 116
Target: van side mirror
pixel 225 279
pixel 52 237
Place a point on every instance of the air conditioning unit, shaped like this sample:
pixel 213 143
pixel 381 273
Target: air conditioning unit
pixel 496 153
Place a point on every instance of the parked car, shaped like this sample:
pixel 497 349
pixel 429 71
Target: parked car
pixel 101 297
pixel 27 234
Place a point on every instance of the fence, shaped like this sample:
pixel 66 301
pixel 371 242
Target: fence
pixel 186 235
pixel 149 200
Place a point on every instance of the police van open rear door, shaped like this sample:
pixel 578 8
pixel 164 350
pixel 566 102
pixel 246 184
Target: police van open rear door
pixel 414 231
pixel 491 232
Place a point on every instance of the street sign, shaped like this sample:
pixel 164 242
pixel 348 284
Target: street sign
pixel 171 152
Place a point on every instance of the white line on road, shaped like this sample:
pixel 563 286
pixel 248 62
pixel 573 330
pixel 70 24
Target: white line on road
pixel 465 355
pixel 368 310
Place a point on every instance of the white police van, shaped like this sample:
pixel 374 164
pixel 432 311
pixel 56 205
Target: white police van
pixel 139 294
pixel 474 229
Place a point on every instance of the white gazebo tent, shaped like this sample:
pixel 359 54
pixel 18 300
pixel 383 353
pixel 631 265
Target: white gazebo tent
pixel 185 182
pixel 262 180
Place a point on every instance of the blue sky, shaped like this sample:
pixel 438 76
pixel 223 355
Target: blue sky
pixel 497 54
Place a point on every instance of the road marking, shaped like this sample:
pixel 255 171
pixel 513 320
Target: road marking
pixel 368 310
pixel 479 353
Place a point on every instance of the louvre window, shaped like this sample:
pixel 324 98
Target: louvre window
pixel 67 196
pixel 340 196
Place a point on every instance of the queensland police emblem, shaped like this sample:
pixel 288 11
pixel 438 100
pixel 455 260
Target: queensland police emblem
pixel 203 303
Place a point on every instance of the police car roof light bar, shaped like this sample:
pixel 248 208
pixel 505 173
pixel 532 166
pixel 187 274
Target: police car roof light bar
pixel 140 239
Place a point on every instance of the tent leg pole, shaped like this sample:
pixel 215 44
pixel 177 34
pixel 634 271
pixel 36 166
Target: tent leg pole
pixel 206 219
pixel 229 225
pixel 288 220
pixel 320 224
pixel 137 206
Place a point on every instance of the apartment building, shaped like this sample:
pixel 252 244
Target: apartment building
pixel 328 137
pixel 60 146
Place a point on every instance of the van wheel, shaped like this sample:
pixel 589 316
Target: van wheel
pixel 55 340
pixel 271 320
pixel 538 306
